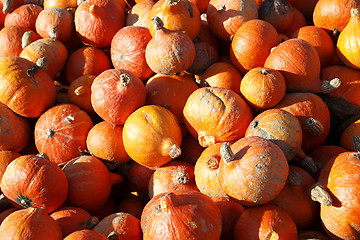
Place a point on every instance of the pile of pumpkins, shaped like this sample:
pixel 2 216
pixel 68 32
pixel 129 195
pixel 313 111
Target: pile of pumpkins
pixel 180 119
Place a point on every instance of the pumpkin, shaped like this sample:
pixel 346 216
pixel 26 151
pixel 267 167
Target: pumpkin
pixel 53 51
pixel 336 192
pixel 138 15
pixel 15 130
pixel 24 88
pixel 97 21
pixel 79 93
pixel 122 225
pixel 60 4
pixel 71 219
pixel 24 225
pixel 169 51
pixel 222 74
pixel 313 115
pixel 171 177
pixel 86 61
pixel 299 63
pixel 305 7
pixel 104 141
pixel 6 7
pixel 201 5
pixel 265 222
pixel 215 115
pixel 297 22
pixel 277 12
pixel 152 136
pixel 85 234
pixel 23 16
pixel 347 136
pixel 206 35
pixel 56 20
pixel 90 182
pixel 294 198
pixel 33 181
pixel 128 51
pixel 322 42
pixel 170 92
pixel 311 235
pixel 205 56
pixel 6 213
pixel 251 44
pixel 333 15
pixel 230 210
pixel 262 87
pixel 131 204
pixel 191 150
pixel 226 17
pixel 348 47
pixel 61 132
pixel 183 214
pixel 177 15
pixel 138 177
pixel 116 93
pixel 252 170
pixel 6 157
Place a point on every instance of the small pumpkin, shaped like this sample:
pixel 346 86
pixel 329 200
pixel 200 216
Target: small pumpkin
pixel 60 4
pixel 277 12
pixel 138 15
pixel 348 136
pixel 49 185
pixel 152 136
pixel 85 234
pixel 297 22
pixel 312 235
pixel 205 56
pixel 23 16
pixel 139 177
pixel 79 93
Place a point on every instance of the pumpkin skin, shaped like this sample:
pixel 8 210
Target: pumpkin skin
pixel 71 219
pixel 191 150
pixel 152 136
pixel 348 47
pixel 60 4
pixel 6 157
pixel 138 15
pixel 104 141
pixel 79 93
pixel 177 15
pixel 85 234
pixel 49 186
pixel 55 19
pixel 139 177
pixel 128 51
pixel 23 224
pixel 265 222
pixel 201 5
pixel 215 115
pixel 253 185
pixel 6 213
pixel 222 74
pixel 97 21
pixel 333 15
pixel 322 42
pixel 170 92
pixel 294 198
pixel 28 94
pixel 115 94
pixel 15 130
pixel 169 51
pixel 86 61
pixel 262 87
pixel 53 50
pixel 277 12
pixel 338 181
pixel 311 235
pixel 179 214
pixel 89 171
pixel 251 44
pixel 304 106
pixel 299 63
pixel 226 17
pixel 125 226
pixel 23 16
pixel 132 204
pixel 207 175
pixel 205 56
pixel 61 132
pixel 298 22
pixel 171 177
pixel 347 136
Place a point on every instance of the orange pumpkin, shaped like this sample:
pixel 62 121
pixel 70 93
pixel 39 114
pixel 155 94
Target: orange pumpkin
pixel 138 15
pixel 205 56
pixel 23 16
pixel 347 136
pixel 297 22
pixel 85 234
pixel 6 157
pixel 60 4
pixel 49 186
pixel 277 12
pixel 152 136
pixel 79 93
pixel 61 132
pixel 132 204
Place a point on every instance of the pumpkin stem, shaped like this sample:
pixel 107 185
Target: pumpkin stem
pixel 254 124
pixel 355 12
pixel 43 155
pixel 308 164
pixel 356 143
pixel 295 179
pixel 272 236
pixel 79 91
pixel 319 194
pixel 264 71
pixel 50 133
pixel 124 79
pixel 26 38
pixel 203 16
pixel 91 222
pixel 174 151
pixel 222 8
pixel 335 32
pixel 157 22
pixel 212 163
pixel 329 86
pixel 7 6
pixel 172 2
pixel 24 201
pixel 53 33
pixel 226 152
pixel 40 64
pixel 314 126
pixel 113 236
pixel 182 177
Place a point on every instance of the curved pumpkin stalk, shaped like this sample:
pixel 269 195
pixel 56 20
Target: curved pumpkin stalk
pixel 319 194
